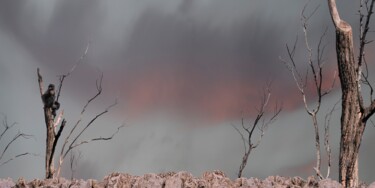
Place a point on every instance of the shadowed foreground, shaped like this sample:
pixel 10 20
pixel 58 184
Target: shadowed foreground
pixel 172 180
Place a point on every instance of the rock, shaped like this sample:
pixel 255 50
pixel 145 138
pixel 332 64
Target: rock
pixel 328 183
pixel 149 181
pixel 177 180
pixel 118 180
pixel 372 185
pixel 214 179
pixel 311 182
pixel 181 179
pixel 217 179
pixel 247 183
pixel 7 183
pixel 297 182
pixel 21 183
pixel 166 175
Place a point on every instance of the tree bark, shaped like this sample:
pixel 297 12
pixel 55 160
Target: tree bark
pixel 49 119
pixel 353 119
pixel 352 122
pixel 244 162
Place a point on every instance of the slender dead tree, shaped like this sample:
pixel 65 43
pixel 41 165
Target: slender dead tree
pixel 261 123
pixel 315 64
pixel 19 135
pixel 51 105
pixel 355 113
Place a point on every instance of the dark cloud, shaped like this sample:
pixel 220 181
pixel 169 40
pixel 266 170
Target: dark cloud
pixel 173 59
pixel 172 64
pixel 54 38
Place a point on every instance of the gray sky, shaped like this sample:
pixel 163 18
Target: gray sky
pixel 182 70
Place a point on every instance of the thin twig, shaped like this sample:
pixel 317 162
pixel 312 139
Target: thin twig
pixel 242 137
pixel 364 30
pixel 16 137
pixel 6 126
pixel 16 156
pixel 71 146
pixel 99 138
pixel 327 122
pixel 62 77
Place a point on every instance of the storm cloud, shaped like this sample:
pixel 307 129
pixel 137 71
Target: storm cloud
pixel 182 70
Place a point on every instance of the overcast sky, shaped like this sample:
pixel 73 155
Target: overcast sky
pixel 182 71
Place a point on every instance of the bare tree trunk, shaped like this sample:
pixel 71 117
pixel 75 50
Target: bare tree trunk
pixel 49 120
pixel 50 101
pixel 244 162
pixel 317 146
pixel 49 142
pixel 352 126
pixel 353 118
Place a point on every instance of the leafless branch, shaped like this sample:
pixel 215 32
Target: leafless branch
pixel 40 81
pixel 99 91
pixel 99 138
pixel 73 143
pixel 71 146
pixel 260 122
pixel 364 28
pixel 316 67
pixel 327 145
pixel 62 77
pixel 242 137
pixel 306 18
pixel 18 136
pixel 17 156
pixel 6 126
pixel 15 138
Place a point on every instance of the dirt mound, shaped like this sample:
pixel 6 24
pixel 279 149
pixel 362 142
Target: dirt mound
pixel 213 179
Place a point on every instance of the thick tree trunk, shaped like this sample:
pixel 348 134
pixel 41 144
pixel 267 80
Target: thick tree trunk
pixel 49 142
pixel 352 117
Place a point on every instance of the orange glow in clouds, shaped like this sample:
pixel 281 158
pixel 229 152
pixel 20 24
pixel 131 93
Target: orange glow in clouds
pixel 215 102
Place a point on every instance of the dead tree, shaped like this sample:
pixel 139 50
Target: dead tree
pixel 52 121
pixel 261 123
pixel 355 113
pixel 315 63
pixel 19 135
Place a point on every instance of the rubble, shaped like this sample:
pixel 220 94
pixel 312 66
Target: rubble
pixel 214 179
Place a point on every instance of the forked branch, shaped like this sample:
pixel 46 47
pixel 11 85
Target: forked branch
pixel 364 76
pixel 261 122
pixel 316 67
pixel 18 136
pixel 68 144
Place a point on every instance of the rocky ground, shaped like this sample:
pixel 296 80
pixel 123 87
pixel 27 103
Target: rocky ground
pixel 171 180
